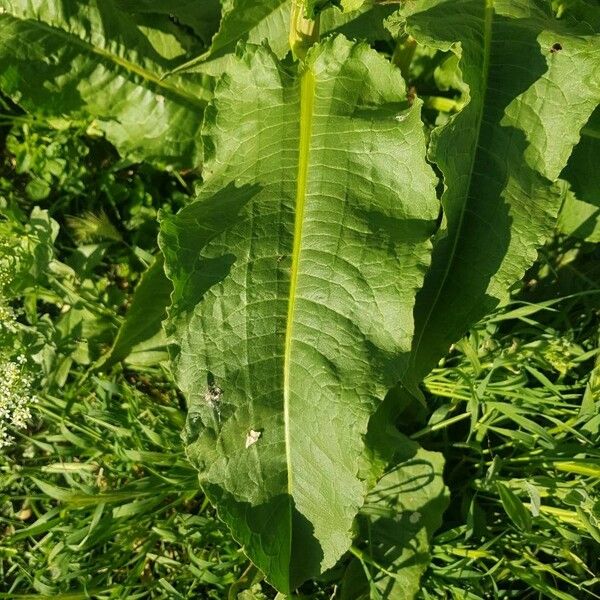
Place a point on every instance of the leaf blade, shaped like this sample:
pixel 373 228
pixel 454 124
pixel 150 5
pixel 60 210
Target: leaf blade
pixel 141 332
pixel 499 155
pixel 368 211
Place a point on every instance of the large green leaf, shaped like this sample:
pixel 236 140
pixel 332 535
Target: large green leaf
pixel 89 62
pixel 533 83
pixel 580 214
pixel 395 526
pixel 294 278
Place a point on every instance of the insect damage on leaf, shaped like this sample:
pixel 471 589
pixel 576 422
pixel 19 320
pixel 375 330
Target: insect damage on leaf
pixel 213 395
pixel 252 437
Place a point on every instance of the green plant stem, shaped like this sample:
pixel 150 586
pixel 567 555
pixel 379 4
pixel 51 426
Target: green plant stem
pixel 403 55
pixel 364 557
pixel 441 104
pixel 441 425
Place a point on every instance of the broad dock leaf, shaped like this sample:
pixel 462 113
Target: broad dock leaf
pixel 295 274
pixel 533 83
pixel 89 63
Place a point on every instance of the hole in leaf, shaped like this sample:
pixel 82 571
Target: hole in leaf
pixel 213 393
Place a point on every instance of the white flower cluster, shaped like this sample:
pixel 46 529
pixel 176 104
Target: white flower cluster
pixel 16 398
pixel 16 381
pixel 7 260
pixel 8 319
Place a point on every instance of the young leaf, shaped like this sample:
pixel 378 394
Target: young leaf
pixel 294 281
pixel 533 83
pixel 88 62
pixel 141 338
pixel 255 21
pixel 514 508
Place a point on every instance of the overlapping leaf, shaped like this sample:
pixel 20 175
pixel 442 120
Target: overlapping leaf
pixel 88 62
pixel 396 525
pixel 295 275
pixel 202 17
pixel 533 83
pixel 580 214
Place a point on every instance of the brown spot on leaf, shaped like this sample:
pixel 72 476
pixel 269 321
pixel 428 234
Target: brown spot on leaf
pixel 556 47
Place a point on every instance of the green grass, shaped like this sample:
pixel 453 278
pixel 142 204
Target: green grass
pixel 523 458
pixel 97 499
pixel 101 500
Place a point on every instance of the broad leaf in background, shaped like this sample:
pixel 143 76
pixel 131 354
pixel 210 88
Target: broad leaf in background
pixel 587 11
pixel 295 274
pixel 89 63
pixel 202 16
pixel 314 8
pixel 258 20
pixel 141 339
pixel 396 524
pixel 580 214
pixel 501 154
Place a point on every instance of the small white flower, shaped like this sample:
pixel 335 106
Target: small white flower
pixel 8 319
pixel 16 398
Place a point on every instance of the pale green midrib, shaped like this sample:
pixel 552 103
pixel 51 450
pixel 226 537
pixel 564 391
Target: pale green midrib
pixel 307 94
pixel 118 60
pixel 487 47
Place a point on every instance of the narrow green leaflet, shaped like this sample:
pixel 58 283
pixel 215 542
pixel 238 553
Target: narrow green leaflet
pixel 88 62
pixel 580 214
pixel 533 83
pixel 395 527
pixel 294 279
pixel 514 507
